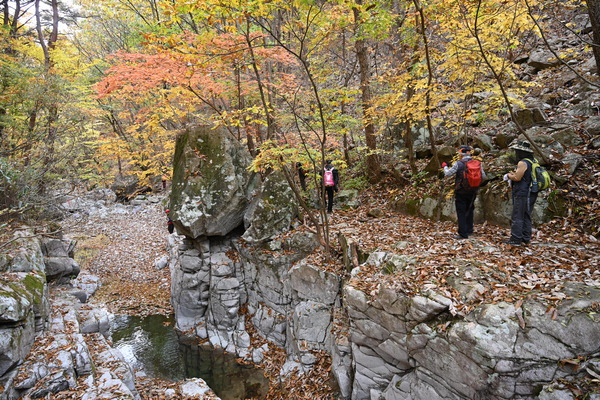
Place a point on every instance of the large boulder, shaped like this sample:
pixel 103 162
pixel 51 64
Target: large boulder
pixel 211 183
pixel 58 259
pixel 272 212
pixel 542 59
pixel 125 187
pixel 529 117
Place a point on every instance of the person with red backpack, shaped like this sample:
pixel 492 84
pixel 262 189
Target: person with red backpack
pixel 170 223
pixel 330 183
pixel 469 176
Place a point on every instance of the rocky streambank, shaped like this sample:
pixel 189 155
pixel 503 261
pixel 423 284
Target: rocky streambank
pixel 54 333
pixel 417 317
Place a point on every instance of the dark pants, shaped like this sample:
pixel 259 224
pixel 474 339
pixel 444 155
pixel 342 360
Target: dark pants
pixel 329 190
pixel 465 210
pixel 520 229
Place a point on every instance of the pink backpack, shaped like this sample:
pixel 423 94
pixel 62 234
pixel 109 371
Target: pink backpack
pixel 328 177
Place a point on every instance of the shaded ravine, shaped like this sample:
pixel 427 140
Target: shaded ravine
pixel 122 244
pixel 152 345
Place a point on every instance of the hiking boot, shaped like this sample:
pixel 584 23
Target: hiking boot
pixel 459 237
pixel 526 242
pixel 512 242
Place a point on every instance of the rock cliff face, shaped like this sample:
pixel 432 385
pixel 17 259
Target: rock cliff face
pixel 24 306
pixel 393 346
pixel 288 301
pixel 410 347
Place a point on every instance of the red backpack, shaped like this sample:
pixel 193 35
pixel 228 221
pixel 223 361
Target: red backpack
pixel 471 175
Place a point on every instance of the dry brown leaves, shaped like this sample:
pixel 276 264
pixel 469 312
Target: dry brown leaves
pixel 559 253
pixel 316 384
pixel 121 249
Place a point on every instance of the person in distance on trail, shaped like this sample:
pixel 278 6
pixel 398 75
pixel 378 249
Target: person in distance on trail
pixel 330 183
pixel 170 224
pixel 469 175
pixel 301 175
pixel 522 196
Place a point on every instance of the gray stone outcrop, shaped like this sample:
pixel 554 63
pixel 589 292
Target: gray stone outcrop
pixel 212 186
pixel 271 211
pixel 411 347
pixel 213 278
pixel 24 306
pixel 58 260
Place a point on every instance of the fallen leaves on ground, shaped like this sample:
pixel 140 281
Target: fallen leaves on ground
pixel 122 249
pixel 558 254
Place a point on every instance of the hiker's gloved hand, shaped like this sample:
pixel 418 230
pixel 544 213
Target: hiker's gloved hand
pixel 444 165
pixel 505 178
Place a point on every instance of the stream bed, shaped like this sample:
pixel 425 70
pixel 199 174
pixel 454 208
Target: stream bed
pixel 152 345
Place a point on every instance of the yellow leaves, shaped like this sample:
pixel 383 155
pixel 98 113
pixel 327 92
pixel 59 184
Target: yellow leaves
pixel 459 68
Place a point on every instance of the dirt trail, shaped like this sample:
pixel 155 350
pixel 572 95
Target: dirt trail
pixel 121 247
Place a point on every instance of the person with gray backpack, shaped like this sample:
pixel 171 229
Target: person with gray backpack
pixel 526 182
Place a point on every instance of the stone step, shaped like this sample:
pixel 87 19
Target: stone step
pixel 73 347
pixel 113 375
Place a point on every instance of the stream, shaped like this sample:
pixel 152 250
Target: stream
pixel 152 345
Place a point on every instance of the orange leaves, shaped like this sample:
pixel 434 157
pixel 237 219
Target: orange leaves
pixel 137 73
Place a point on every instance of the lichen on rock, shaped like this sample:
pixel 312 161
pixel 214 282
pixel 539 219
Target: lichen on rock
pixel 212 186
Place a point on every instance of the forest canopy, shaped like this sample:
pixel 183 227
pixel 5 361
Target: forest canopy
pixel 96 90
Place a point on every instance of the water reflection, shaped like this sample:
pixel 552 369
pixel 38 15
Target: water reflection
pixel 220 370
pixel 152 345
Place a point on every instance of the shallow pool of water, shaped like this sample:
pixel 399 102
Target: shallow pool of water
pixel 151 344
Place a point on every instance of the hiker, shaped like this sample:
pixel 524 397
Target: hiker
pixel 301 175
pixel 465 189
pixel 164 179
pixel 330 182
pixel 170 224
pixel 522 197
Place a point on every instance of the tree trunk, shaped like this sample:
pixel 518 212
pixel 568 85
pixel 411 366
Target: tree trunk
pixel 5 13
pixel 410 146
pixel 47 48
pixel 423 33
pixel 373 166
pixel 594 11
pixel 263 97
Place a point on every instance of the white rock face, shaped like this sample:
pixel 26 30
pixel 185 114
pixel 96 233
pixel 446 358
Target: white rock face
pixel 395 348
pixel 486 355
pixel 194 388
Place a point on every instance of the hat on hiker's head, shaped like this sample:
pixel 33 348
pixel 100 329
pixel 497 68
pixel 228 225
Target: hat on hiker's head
pixel 464 149
pixel 522 145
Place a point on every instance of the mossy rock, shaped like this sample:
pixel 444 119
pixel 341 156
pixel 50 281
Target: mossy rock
pixel 272 211
pixel 20 295
pixel 211 182
pixel 347 199
pixel 411 206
